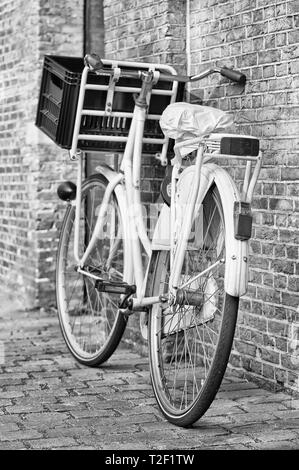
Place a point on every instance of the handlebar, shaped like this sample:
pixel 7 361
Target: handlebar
pixel 94 63
pixel 233 75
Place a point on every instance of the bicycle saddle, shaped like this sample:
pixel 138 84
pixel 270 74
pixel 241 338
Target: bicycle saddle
pixel 182 121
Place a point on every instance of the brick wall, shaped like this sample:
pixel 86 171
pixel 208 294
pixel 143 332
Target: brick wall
pixel 150 31
pixel 18 168
pixel 262 39
pixel 30 164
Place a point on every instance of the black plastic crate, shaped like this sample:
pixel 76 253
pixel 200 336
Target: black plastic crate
pixel 58 105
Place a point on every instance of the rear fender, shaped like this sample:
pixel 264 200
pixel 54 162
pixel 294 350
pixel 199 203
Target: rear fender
pixel 236 256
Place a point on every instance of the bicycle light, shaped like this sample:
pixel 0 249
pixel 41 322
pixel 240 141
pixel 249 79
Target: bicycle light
pixel 244 146
pixel 243 220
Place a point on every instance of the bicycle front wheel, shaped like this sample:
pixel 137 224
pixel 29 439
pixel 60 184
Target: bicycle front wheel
pixel 90 321
pixel 190 335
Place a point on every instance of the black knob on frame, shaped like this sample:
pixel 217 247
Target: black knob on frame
pixel 67 191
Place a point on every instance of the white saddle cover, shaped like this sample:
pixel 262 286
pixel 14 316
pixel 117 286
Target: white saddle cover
pixel 183 121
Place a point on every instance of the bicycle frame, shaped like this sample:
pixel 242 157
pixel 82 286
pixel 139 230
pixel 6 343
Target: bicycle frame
pixel 134 224
pixel 203 175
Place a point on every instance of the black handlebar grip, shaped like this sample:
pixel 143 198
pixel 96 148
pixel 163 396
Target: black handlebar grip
pixel 233 75
pixel 93 61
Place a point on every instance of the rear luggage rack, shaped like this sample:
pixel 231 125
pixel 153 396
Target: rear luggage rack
pixel 233 145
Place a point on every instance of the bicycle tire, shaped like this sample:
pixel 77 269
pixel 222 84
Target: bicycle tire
pixel 183 399
pixel 91 323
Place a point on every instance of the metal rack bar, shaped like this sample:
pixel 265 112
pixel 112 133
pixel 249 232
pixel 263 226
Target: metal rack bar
pixel 117 114
pixel 125 89
pixel 146 140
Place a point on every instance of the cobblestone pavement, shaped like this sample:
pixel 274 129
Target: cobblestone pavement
pixel 48 401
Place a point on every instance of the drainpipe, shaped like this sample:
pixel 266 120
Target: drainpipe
pixel 188 49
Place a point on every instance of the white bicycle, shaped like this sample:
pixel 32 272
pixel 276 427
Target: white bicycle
pixel 196 269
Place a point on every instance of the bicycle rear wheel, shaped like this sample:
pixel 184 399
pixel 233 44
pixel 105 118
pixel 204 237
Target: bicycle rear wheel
pixel 90 321
pixel 190 337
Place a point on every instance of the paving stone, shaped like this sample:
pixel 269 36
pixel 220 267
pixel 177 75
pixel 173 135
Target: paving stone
pixel 137 409
pixel 291 403
pixel 51 442
pixel 19 435
pixel 42 421
pixel 40 375
pixel 247 418
pixel 13 445
pixel 68 382
pixel 5 402
pixel 119 446
pixel 261 397
pixel 51 402
pixel 151 440
pixel 9 376
pixel 276 435
pixel 235 385
pixel 8 426
pixel 86 374
pixel 7 419
pixel 280 445
pixel 63 407
pixel 218 410
pixel 58 392
pixel 224 447
pixel 19 409
pixel 145 401
pixel 263 407
pixel 202 432
pixel 36 400
pixel 265 432
pixel 107 381
pixel 62 431
pixel 106 437
pixel 99 391
pixel 93 413
pixel 251 393
pixel 284 414
pixel 229 439
pixel 128 395
pixel 73 447
pixel 136 386
pixel 220 420
pixel 122 421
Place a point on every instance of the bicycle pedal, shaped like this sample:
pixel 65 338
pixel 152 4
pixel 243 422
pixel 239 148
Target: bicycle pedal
pixel 113 287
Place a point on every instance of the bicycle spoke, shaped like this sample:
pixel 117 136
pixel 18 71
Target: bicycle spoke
pixel 87 315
